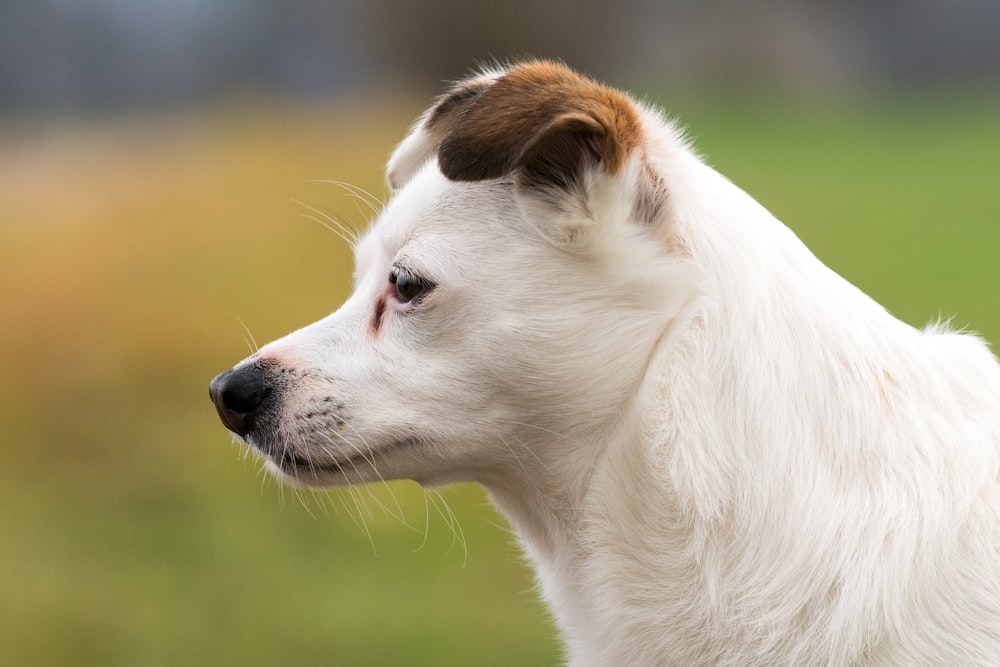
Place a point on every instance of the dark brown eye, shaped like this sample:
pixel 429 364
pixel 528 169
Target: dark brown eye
pixel 408 288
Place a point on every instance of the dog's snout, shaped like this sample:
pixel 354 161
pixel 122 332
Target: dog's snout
pixel 238 395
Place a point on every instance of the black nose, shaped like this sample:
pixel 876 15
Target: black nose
pixel 238 395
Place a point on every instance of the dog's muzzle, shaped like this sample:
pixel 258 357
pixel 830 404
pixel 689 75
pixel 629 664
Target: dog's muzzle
pixel 240 396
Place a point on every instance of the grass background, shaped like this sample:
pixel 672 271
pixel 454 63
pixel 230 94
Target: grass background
pixel 131 250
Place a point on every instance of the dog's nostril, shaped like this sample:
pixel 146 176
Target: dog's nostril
pixel 237 395
pixel 244 398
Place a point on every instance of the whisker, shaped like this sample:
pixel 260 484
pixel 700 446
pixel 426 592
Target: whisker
pixel 300 493
pixel 302 501
pixel 374 203
pixel 322 500
pixel 281 496
pixel 371 462
pixel 363 513
pixel 543 430
pixel 347 238
pixel 427 523
pixel 356 519
pixel 320 217
pixel 264 477
pixel 399 515
pixel 364 523
pixel 458 535
pixel 248 337
pixel 514 454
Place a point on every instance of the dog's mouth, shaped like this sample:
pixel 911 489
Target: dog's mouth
pixel 292 463
pixel 362 466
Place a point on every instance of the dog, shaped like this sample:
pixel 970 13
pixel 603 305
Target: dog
pixel 714 449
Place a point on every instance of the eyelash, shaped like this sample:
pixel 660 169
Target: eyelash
pixel 409 288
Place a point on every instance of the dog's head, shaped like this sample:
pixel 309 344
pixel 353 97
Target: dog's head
pixel 506 302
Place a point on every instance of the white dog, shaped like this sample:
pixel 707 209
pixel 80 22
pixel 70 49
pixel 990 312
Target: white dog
pixel 714 449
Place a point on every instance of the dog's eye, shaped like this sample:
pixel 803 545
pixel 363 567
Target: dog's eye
pixel 408 288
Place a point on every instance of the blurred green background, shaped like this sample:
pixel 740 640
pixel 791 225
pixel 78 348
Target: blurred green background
pixel 152 161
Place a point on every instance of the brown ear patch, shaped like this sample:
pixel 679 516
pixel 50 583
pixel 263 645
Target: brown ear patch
pixel 448 106
pixel 542 119
pixel 423 141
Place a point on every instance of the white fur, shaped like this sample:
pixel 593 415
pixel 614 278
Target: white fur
pixel 715 450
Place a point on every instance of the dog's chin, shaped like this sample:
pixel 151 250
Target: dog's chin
pixel 301 471
pixel 293 466
pixel 302 475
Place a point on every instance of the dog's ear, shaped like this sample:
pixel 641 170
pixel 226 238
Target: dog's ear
pixel 560 135
pixel 569 143
pixel 430 129
pixel 543 121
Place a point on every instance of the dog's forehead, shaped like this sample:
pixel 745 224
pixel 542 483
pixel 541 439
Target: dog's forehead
pixel 408 207
pixel 434 206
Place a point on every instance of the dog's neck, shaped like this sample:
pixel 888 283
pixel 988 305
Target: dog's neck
pixel 550 516
pixel 546 509
pixel 567 520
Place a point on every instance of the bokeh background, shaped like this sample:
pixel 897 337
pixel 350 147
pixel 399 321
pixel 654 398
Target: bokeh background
pixel 163 166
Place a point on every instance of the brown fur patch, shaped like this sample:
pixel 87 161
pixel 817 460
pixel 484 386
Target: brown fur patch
pixel 447 107
pixel 543 119
pixel 652 195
